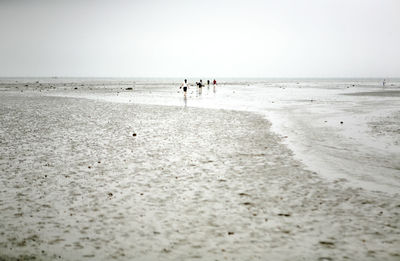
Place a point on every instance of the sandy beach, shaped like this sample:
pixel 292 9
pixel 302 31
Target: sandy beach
pixel 92 174
pixel 200 130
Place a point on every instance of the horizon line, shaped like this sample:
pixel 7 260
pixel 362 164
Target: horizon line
pixel 220 77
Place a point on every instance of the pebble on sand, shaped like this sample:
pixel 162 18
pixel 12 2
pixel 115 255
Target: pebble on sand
pixel 134 134
pixel 326 243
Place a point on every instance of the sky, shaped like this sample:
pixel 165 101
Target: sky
pixel 207 38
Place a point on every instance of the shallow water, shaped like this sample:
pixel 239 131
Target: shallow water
pixel 364 149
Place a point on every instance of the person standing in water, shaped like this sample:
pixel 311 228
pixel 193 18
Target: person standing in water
pixel 200 86
pixel 384 82
pixel 215 84
pixel 208 84
pixel 184 85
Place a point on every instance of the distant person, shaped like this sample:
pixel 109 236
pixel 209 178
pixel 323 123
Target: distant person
pixel 200 84
pixel 384 82
pixel 208 84
pixel 184 85
pixel 215 84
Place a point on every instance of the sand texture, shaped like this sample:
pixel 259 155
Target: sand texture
pixel 382 93
pixel 200 184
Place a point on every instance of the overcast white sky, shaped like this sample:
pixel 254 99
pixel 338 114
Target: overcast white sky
pixel 211 38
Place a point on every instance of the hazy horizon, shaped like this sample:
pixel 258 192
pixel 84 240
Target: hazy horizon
pixel 222 39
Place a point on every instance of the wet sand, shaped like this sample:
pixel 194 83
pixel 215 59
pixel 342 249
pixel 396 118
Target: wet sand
pixel 382 93
pixel 193 183
pixel 338 136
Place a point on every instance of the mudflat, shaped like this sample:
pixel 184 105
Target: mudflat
pixel 91 180
pixel 392 93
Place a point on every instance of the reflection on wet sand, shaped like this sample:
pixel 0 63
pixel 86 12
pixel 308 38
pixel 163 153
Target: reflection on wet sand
pixel 82 178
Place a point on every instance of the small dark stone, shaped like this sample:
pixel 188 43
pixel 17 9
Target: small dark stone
pixel 76 88
pixel 327 243
pixel 325 259
pixel 110 194
pixel 341 122
pixel 231 233
pixel 134 134
pixel 129 89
